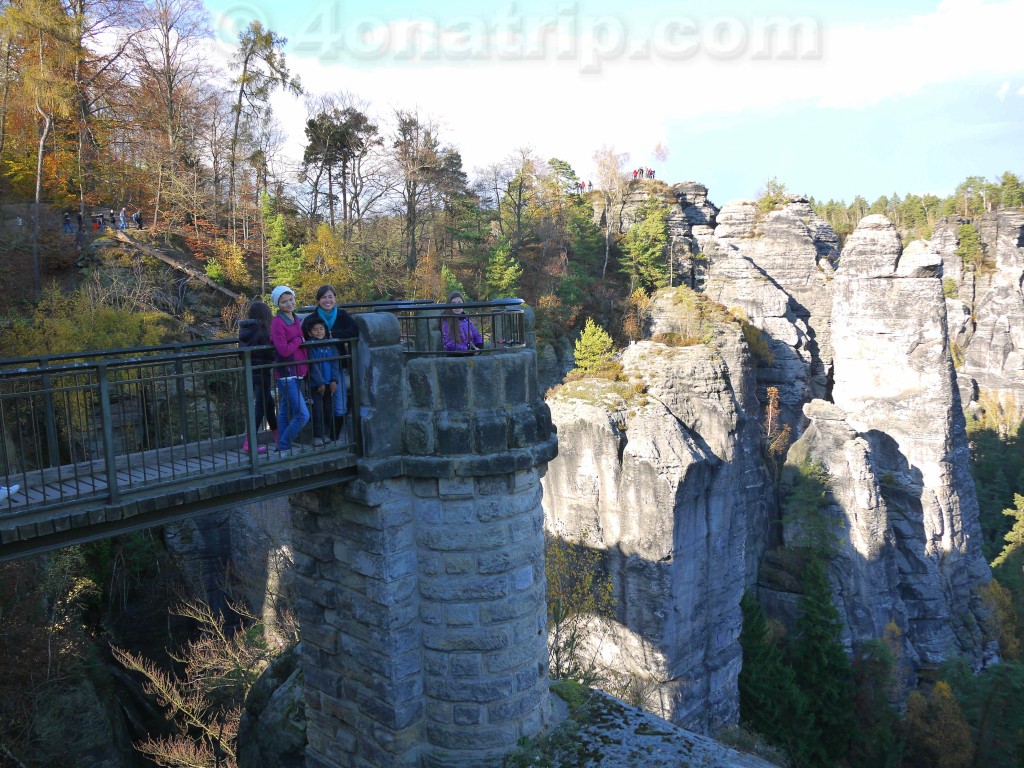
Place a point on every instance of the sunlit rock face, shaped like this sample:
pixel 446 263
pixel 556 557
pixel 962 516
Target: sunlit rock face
pixel 777 267
pixel 896 452
pixel 668 484
pixel 994 354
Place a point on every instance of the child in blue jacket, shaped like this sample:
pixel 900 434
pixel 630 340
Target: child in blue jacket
pixel 324 381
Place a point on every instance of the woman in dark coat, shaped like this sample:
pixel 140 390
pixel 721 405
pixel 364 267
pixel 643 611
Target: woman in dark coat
pixel 255 332
pixel 340 325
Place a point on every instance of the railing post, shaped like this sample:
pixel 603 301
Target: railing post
pixel 354 406
pixel 179 378
pixel 251 427
pixel 108 432
pixel 53 449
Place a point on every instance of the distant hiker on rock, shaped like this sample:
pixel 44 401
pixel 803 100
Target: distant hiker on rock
pixel 590 186
pixel 67 224
pixel 634 174
pixel 137 218
pixel 123 219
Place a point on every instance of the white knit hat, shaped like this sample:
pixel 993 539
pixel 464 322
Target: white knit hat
pixel 277 293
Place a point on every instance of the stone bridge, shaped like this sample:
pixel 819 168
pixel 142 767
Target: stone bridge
pixel 419 545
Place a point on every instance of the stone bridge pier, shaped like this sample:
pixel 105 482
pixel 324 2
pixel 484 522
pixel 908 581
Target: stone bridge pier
pixel 421 582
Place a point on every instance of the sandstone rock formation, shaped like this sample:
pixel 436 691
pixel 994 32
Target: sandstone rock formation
pixel 994 355
pixel 670 486
pixel 778 269
pixel 896 451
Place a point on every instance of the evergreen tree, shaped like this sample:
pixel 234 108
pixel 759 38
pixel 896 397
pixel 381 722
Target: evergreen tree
pixel 645 247
pixel 991 703
pixel 503 273
pixel 593 348
pixel 969 246
pixel 773 195
pixel 822 668
pixel 1015 536
pixel 877 744
pixel 284 260
pixel 770 701
pixel 450 282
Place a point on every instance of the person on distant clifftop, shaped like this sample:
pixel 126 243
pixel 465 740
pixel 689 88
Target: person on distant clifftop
pixel 68 230
pixel 290 368
pixel 340 325
pixel 457 331
pixel 123 219
pixel 137 218
pixel 254 331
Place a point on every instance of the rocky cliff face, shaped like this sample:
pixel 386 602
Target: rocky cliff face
pixel 778 269
pixel 994 354
pixel 896 451
pixel 669 486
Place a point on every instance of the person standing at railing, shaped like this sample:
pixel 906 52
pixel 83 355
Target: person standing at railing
pixel 290 359
pixel 325 381
pixel 340 325
pixel 255 332
pixel 457 331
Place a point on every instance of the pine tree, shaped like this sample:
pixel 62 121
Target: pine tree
pixel 822 668
pixel 284 260
pixel 451 282
pixel 593 347
pixel 644 248
pixel 503 273
pixel 1015 536
pixel 770 701
pixel 877 743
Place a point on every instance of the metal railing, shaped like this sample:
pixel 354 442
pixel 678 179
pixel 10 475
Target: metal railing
pixel 433 329
pixel 93 426
pixel 96 430
pixel 499 321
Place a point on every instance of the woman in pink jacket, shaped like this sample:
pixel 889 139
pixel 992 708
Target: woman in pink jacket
pixel 290 368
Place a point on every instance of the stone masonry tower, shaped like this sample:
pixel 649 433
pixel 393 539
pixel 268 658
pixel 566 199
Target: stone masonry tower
pixel 422 581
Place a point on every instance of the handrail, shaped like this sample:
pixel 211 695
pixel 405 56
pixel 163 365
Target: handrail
pixel 187 347
pixel 107 430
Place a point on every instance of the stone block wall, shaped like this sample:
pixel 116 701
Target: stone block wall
pixel 422 611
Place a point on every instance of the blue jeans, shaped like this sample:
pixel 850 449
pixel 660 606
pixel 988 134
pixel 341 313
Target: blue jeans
pixel 292 414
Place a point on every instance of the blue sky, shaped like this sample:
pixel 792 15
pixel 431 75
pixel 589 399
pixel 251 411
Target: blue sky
pixel 833 99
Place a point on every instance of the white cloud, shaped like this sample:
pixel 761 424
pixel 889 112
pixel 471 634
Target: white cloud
pixel 1003 90
pixel 570 105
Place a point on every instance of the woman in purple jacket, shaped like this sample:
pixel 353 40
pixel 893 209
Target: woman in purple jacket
pixel 457 331
pixel 286 336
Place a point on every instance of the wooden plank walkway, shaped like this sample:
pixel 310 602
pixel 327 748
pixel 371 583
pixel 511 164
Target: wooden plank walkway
pixel 72 503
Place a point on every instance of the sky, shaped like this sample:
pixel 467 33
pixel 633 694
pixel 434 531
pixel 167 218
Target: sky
pixel 833 100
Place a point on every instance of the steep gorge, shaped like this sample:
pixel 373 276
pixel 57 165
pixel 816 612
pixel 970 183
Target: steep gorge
pixel 673 488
